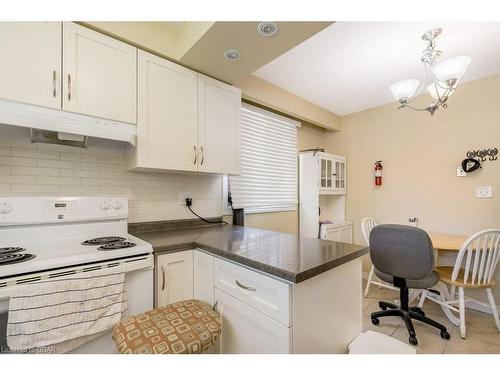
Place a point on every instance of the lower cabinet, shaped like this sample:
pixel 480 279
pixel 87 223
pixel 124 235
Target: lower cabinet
pixel 263 314
pixel 337 233
pixel 246 330
pixel 174 277
pixel 203 288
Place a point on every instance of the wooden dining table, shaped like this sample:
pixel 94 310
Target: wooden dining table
pixel 447 242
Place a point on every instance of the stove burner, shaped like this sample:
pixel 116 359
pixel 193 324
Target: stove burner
pixel 116 245
pixel 6 259
pixel 11 249
pixel 103 240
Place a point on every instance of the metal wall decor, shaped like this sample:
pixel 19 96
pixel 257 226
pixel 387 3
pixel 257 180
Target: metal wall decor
pixel 483 155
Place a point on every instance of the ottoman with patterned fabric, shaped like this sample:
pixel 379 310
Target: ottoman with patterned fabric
pixel 184 327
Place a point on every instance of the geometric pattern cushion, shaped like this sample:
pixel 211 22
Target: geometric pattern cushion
pixel 184 327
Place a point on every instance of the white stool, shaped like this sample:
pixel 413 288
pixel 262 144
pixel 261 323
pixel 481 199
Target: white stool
pixel 371 342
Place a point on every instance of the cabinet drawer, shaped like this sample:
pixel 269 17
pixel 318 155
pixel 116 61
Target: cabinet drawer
pixel 263 293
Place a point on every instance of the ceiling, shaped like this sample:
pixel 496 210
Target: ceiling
pixel 207 54
pixel 349 66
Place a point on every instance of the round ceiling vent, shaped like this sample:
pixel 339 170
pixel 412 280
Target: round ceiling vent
pixel 267 29
pixel 232 55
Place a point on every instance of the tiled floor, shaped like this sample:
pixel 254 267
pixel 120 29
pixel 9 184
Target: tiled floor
pixel 482 335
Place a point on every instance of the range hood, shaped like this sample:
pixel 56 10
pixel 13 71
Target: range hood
pixel 65 123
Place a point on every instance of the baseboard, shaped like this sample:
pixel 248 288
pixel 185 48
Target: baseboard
pixel 470 304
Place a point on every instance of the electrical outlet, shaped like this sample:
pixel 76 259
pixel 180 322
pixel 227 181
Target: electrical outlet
pixel 461 172
pixel 484 192
pixel 183 195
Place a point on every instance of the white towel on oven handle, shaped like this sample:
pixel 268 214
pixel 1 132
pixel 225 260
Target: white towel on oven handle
pixel 54 311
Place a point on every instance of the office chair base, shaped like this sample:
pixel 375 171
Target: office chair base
pixel 390 309
pixel 387 305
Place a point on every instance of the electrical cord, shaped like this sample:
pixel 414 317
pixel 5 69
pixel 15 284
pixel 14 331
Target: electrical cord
pixel 208 221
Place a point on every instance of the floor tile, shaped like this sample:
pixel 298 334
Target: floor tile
pixel 482 335
pixel 386 326
pixel 471 345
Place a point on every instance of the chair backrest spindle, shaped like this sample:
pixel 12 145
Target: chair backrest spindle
pixel 478 258
pixel 367 224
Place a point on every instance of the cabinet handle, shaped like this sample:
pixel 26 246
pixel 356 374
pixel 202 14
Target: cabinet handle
pixel 202 155
pixel 54 92
pixel 245 287
pixel 195 155
pixel 69 87
pixel 163 278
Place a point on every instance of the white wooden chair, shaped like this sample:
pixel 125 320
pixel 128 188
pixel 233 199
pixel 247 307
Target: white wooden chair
pixel 367 225
pixel 474 268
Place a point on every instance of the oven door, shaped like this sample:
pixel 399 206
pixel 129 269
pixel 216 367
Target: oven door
pixel 138 284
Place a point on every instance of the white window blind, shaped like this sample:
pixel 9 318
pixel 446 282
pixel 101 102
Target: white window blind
pixel 268 180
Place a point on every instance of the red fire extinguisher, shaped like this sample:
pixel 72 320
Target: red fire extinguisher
pixel 378 173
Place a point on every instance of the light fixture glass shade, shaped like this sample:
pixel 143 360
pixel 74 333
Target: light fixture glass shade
pixel 404 89
pixel 434 90
pixel 452 68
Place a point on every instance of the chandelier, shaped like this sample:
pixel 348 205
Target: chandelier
pixel 445 76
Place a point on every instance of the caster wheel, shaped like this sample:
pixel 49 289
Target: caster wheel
pixel 413 340
pixel 445 335
pixel 375 321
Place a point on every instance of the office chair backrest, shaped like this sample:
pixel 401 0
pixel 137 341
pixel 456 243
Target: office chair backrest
pixel 402 251
pixel 478 258
pixel 367 225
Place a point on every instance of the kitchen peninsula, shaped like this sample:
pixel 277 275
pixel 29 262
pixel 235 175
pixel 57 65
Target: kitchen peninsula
pixel 276 292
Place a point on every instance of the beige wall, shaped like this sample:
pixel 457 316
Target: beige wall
pixel 420 155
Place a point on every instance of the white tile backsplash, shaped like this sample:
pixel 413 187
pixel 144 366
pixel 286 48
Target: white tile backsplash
pixel 44 169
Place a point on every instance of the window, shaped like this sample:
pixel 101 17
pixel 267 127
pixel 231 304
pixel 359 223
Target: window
pixel 268 180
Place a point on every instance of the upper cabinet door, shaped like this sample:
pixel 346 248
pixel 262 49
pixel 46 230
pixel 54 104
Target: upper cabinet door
pixel 99 75
pixel 167 115
pixel 340 175
pixel 219 126
pixel 327 173
pixel 30 62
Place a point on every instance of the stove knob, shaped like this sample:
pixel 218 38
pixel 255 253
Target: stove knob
pixel 105 205
pixel 5 208
pixel 117 205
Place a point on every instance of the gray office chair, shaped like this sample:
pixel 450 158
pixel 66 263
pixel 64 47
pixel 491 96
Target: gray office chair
pixel 403 255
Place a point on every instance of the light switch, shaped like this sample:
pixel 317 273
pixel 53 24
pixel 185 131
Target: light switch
pixel 484 192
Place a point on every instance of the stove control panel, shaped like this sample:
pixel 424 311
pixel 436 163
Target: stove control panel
pixel 38 210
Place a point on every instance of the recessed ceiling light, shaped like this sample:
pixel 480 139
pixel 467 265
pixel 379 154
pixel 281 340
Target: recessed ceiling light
pixel 232 55
pixel 267 29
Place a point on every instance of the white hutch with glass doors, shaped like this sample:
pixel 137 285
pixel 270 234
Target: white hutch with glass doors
pixel 322 189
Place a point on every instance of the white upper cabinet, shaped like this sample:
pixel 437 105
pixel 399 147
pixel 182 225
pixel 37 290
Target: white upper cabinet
pixel 219 138
pixel 167 115
pixel 186 121
pixel 99 75
pixel 30 62
pixel 332 174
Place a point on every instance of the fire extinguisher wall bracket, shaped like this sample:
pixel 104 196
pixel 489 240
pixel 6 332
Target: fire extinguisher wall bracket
pixel 378 172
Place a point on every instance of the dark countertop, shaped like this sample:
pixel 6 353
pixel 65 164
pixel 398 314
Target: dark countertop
pixel 285 256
